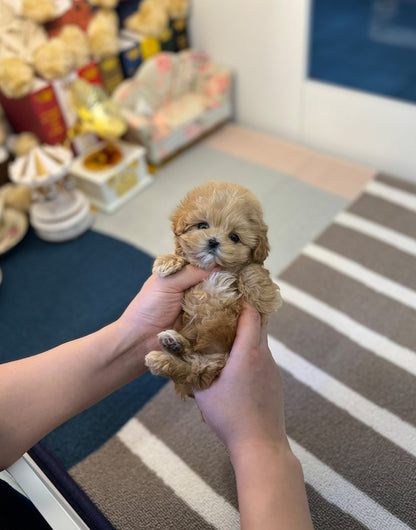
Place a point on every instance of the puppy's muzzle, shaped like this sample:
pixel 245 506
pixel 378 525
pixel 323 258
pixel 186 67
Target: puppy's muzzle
pixel 212 244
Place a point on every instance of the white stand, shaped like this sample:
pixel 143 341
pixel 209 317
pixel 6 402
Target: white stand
pixel 65 217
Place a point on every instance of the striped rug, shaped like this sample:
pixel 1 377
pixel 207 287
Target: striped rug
pixel 345 340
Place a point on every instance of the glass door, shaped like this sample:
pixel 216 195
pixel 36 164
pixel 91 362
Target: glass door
pixel 352 79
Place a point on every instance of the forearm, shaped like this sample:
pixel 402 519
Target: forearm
pixel 271 490
pixel 41 392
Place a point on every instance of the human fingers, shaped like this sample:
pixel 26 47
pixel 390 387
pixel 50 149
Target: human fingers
pixel 248 329
pixel 263 336
pixel 185 278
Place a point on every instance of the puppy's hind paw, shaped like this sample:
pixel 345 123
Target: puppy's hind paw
pixel 172 342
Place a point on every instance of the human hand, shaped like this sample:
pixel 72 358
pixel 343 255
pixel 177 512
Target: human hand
pixel 245 405
pixel 157 306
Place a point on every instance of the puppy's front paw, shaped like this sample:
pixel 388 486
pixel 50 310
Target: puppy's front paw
pixel 168 264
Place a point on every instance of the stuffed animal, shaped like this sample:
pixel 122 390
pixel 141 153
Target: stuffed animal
pixel 102 34
pixel 108 4
pixel 178 9
pixel 53 59
pixel 21 144
pixel 150 20
pixel 26 50
pixel 76 42
pixel 218 224
pixel 40 11
pixel 19 39
pixel 16 196
pixel 16 77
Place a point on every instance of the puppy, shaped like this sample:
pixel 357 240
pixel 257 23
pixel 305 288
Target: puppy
pixel 218 224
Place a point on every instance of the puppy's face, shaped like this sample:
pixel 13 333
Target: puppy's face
pixel 220 224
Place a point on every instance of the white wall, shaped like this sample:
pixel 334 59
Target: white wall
pixel 266 42
pixel 247 35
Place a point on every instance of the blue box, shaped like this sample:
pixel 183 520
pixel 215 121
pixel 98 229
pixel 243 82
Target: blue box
pixel 131 56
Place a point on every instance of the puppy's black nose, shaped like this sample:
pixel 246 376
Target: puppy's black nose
pixel 213 243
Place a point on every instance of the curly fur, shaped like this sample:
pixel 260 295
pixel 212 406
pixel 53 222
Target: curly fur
pixel 217 224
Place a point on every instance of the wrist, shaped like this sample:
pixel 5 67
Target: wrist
pixel 257 450
pixel 128 346
pixel 271 488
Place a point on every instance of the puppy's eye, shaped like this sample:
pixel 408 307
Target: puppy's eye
pixel 234 237
pixel 203 226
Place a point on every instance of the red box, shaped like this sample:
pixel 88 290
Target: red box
pixel 79 13
pixel 38 112
pixel 91 73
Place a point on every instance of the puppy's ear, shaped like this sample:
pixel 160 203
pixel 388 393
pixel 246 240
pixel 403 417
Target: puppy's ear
pixel 178 228
pixel 262 249
pixel 178 223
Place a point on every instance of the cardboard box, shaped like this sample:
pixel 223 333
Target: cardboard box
pixel 61 87
pixel 148 45
pixel 130 56
pixel 38 112
pixel 110 187
pixel 91 73
pixel 167 40
pixel 47 111
pixel 111 72
pixel 78 12
pixel 180 33
pixel 125 8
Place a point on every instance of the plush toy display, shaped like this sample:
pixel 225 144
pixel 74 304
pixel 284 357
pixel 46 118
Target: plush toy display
pixel 19 38
pixel 221 224
pixel 26 49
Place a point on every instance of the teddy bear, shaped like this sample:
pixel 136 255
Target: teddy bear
pixel 40 11
pixel 21 144
pixel 102 33
pixel 150 20
pixel 178 9
pixel 16 196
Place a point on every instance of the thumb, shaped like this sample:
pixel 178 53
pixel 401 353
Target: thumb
pixel 185 278
pixel 248 330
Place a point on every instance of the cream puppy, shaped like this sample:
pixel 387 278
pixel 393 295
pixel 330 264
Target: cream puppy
pixel 218 224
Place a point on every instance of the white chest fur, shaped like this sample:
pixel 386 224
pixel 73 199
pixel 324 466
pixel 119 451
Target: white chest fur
pixel 221 284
